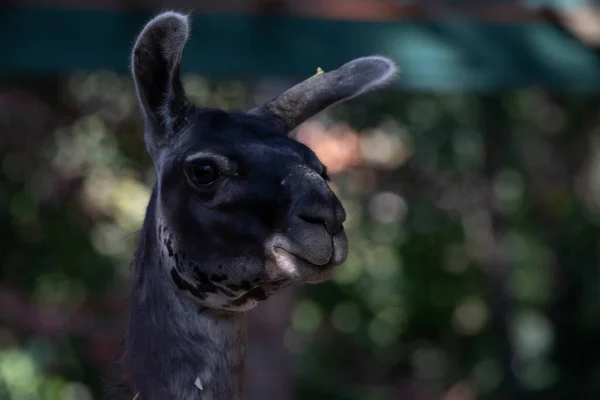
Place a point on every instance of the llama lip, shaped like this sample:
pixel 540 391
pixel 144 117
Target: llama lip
pixel 287 253
pixel 308 241
pixel 339 243
pixel 295 265
pixel 301 270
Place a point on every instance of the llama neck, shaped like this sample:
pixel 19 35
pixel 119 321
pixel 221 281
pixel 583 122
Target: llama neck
pixel 174 350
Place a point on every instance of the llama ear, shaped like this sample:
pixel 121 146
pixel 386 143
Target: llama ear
pixel 315 94
pixel 155 65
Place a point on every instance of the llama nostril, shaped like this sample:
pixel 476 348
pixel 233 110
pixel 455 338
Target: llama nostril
pixel 329 223
pixel 312 220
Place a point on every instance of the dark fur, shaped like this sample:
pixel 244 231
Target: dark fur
pixel 209 252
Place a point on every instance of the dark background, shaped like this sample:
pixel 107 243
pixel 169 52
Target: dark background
pixel 472 189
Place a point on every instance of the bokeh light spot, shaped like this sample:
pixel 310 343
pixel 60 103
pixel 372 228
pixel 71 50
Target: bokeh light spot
pixel 307 317
pixel 346 317
pixel 470 316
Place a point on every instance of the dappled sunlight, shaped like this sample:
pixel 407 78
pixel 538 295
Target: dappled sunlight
pixel 460 391
pixel 533 338
pixel 341 148
pixel 387 207
pixel 123 198
pixel 470 316
pixel 338 147
pixel 346 317
pixel 386 221
pixel 471 218
pixel 22 379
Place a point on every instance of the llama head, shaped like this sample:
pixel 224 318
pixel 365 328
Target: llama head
pixel 242 209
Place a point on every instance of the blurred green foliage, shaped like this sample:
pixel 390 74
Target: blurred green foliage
pixel 473 226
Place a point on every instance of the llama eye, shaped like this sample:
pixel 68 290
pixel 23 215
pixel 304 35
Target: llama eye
pixel 202 174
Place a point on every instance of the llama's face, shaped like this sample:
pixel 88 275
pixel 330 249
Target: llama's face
pixel 245 210
pixel 242 209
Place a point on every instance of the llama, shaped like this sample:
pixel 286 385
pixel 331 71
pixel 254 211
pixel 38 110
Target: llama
pixel 239 210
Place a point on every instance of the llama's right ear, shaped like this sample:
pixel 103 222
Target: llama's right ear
pixel 155 65
pixel 323 90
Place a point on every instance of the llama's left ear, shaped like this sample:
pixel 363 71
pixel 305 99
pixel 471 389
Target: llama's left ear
pixel 315 94
pixel 155 65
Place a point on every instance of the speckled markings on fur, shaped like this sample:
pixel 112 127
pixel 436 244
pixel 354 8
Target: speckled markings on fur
pixel 218 290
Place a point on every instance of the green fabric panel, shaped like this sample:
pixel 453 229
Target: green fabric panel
pixel 452 54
